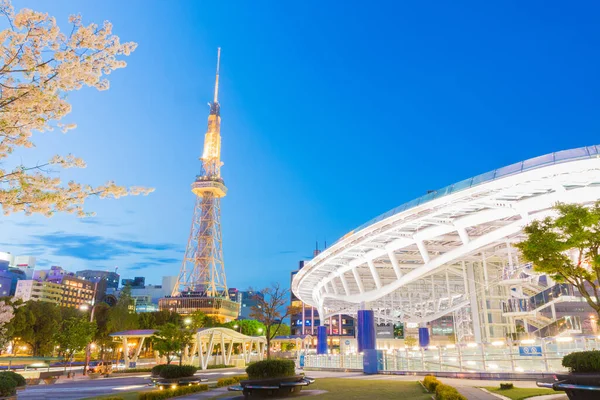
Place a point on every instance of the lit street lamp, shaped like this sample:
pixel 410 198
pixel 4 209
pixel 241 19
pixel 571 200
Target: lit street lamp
pixel 85 307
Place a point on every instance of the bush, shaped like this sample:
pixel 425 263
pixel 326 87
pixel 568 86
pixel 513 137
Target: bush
pixel 445 392
pixel 124 371
pixel 177 371
pixel 431 383
pixel 219 366
pixel 231 380
pixel 168 393
pixel 113 397
pixel 18 378
pixel 506 386
pixel 8 386
pixel 157 368
pixel 582 361
pixel 271 369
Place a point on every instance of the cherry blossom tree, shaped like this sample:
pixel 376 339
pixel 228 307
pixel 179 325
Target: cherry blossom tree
pixel 39 66
pixel 7 312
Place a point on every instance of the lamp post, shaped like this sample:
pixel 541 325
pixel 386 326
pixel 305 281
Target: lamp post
pixel 85 307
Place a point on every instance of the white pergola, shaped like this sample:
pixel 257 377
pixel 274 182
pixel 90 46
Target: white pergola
pixel 450 250
pixel 207 338
pixel 205 341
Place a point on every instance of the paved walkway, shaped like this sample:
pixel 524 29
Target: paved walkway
pixel 472 393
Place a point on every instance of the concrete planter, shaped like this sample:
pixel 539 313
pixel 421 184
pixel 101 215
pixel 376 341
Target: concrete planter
pixel 270 387
pixel 590 380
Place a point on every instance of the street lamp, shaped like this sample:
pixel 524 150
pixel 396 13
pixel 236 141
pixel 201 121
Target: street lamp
pixel 187 321
pixel 85 307
pixel 260 330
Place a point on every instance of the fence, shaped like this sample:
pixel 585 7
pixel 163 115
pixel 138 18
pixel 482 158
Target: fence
pixel 527 356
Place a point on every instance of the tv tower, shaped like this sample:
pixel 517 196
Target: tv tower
pixel 201 284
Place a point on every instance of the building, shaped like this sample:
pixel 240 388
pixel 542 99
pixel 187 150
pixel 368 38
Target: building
pixel 39 291
pixel 137 282
pixel 45 286
pixel 9 277
pixel 201 284
pixel 449 256
pixel 111 278
pixel 146 297
pixel 24 263
pixel 248 299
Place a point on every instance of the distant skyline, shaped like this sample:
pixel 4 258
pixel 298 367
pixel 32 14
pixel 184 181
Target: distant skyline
pixel 331 115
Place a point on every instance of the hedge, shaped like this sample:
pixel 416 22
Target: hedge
pixel 157 368
pixel 506 386
pixel 582 361
pixel 8 386
pixel 218 366
pixel 431 383
pixel 231 380
pixel 18 378
pixel 178 371
pixel 445 392
pixel 168 393
pixel 271 369
pixel 124 371
pixel 113 398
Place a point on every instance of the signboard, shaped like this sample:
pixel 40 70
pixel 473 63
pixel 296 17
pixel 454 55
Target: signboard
pixel 532 351
pixel 132 364
pixel 384 331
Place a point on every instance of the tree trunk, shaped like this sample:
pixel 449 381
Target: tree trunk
pixel 268 347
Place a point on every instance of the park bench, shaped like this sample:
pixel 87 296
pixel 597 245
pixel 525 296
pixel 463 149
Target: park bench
pixel 580 391
pixel 272 386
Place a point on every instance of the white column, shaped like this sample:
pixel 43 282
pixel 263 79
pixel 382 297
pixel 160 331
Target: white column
pixel 472 290
pixel 374 273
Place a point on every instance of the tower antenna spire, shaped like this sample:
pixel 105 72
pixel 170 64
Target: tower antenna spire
pixel 216 99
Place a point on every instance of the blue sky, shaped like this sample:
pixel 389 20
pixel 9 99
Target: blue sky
pixel 333 112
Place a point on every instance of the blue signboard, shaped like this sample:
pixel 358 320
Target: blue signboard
pixel 535 351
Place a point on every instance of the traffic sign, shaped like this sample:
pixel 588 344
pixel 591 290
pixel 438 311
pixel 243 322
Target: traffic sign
pixel 532 351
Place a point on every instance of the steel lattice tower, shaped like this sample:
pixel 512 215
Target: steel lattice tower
pixel 202 271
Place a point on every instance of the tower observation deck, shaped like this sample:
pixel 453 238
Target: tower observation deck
pixel 201 284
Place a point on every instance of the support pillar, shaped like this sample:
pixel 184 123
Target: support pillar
pixel 366 330
pixel 322 339
pixel 423 335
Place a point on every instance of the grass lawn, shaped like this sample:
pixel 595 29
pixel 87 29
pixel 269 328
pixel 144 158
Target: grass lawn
pixel 361 389
pixel 520 393
pixel 124 395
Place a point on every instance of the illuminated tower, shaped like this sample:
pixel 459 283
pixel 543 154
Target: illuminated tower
pixel 201 284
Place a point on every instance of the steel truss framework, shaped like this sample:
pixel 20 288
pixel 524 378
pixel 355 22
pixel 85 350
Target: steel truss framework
pixel 449 251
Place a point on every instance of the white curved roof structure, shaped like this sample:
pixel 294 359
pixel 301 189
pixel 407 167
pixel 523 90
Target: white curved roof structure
pixel 424 259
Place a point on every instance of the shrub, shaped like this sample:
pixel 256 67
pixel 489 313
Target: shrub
pixel 219 366
pixel 582 361
pixel 8 386
pixel 18 378
pixel 124 371
pixel 271 369
pixel 431 382
pixel 445 392
pixel 177 371
pixel 231 380
pixel 168 393
pixel 157 368
pixel 506 386
pixel 113 397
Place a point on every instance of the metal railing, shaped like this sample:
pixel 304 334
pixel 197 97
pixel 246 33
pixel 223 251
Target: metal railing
pixel 538 300
pixel 530 355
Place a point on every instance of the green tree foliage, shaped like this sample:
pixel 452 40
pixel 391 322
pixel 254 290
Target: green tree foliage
pixel 74 335
pixel 101 337
pixel 35 323
pixel 122 316
pixel 248 327
pixel 171 339
pixel 568 248
pixel 151 320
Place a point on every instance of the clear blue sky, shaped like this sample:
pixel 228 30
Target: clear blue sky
pixel 333 112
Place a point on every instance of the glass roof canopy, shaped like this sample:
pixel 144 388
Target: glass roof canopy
pixel 516 168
